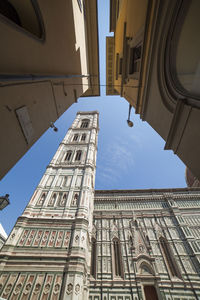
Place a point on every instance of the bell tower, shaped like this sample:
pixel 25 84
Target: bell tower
pixel 47 255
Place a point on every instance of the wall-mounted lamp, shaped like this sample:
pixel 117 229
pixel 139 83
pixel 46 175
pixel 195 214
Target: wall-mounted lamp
pixel 4 201
pixel 129 122
pixel 53 126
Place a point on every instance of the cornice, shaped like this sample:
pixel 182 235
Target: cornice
pixel 69 166
pixel 87 112
pixel 147 195
pixel 83 129
pixel 148 191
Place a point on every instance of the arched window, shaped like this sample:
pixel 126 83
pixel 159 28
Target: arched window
pixel 83 137
pixel 41 200
pixel 63 199
pixel 168 256
pixel 85 123
pixel 52 200
pixel 24 13
pixel 78 155
pixel 68 155
pixel 75 138
pixel 117 260
pixel 93 258
pixel 75 199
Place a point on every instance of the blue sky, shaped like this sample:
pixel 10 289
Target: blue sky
pixel 128 158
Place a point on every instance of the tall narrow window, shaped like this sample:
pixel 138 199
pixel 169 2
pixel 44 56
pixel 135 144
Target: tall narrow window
pixel 117 65
pixel 63 199
pixel 93 258
pixel 135 59
pixel 75 138
pixel 85 123
pixel 52 200
pixel 117 257
pixel 168 256
pixel 83 137
pixel 75 199
pixel 41 200
pixel 78 155
pixel 120 66
pixel 68 155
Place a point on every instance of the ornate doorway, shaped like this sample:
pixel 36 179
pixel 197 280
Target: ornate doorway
pixel 150 292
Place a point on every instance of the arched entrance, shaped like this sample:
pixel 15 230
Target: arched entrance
pixel 150 292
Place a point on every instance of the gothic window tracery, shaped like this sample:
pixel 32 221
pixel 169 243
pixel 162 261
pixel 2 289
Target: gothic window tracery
pixel 41 200
pixel 85 123
pixel 78 155
pixel 75 138
pixel 83 137
pixel 63 199
pixel 117 259
pixel 93 258
pixel 168 256
pixel 75 199
pixel 52 200
pixel 68 155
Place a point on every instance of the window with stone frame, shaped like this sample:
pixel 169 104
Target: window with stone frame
pixel 83 137
pixel 75 199
pixel 120 65
pixel 75 137
pixel 169 258
pixel 25 14
pixel 63 199
pixel 52 199
pixel 85 123
pixel 41 200
pixel 117 66
pixel 93 258
pixel 117 258
pixel 135 59
pixel 68 155
pixel 78 155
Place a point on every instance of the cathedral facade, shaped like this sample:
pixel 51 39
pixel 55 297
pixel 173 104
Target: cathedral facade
pixel 75 243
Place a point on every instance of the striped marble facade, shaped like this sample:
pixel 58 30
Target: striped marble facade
pixel 145 223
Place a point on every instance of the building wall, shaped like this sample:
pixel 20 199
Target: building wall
pixel 44 74
pixel 160 81
pixel 47 254
pixel 138 219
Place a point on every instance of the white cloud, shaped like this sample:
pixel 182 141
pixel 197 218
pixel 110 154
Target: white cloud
pixel 116 160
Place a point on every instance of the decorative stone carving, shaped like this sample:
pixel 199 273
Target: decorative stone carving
pixel 8 289
pixel 47 288
pixel 18 288
pixel 12 236
pixel 56 288
pixel 76 238
pixel 24 236
pixel 69 288
pixel 37 288
pixel 27 288
pixel 77 288
pixel 141 248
